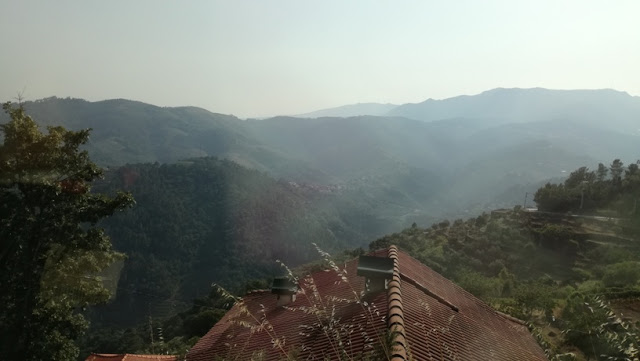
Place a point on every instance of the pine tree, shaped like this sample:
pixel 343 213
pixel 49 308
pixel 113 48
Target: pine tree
pixel 50 247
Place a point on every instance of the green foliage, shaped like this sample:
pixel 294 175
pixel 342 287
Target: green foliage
pixel 535 296
pixel 616 171
pixel 594 328
pixel 615 187
pixel 591 287
pixel 623 274
pixel 481 286
pixel 528 264
pixel 604 254
pixel 51 251
pixel 209 220
pixel 201 323
pixel 555 198
pixel 557 237
pixel 554 232
pixel 169 335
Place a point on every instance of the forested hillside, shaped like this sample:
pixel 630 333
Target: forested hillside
pixel 608 190
pixel 575 280
pixel 575 276
pixel 208 220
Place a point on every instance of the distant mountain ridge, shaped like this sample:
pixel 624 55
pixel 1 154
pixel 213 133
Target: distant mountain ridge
pixel 509 105
pixel 422 155
pixel 351 110
pixel 536 104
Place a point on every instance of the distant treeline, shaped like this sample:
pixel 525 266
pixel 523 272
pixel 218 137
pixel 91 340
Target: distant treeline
pixel 616 188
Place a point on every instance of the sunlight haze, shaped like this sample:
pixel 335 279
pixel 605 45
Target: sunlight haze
pixel 255 59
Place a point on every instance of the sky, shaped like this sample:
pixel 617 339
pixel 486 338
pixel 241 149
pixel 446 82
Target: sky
pixel 263 58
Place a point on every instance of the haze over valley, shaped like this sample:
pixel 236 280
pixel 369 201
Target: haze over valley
pixel 161 161
pixel 336 181
pixel 459 154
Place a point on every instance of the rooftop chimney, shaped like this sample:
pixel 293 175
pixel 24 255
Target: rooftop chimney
pixel 377 271
pixel 285 289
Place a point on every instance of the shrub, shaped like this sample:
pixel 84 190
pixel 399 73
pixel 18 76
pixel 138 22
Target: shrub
pixel 480 286
pixel 533 296
pixel 623 274
pixel 590 286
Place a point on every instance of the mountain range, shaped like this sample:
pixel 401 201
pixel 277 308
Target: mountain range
pixel 337 181
pixel 502 106
pixel 458 154
pixel 351 110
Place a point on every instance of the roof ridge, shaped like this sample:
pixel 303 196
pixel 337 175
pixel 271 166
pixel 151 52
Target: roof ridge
pixel 251 292
pixel 149 355
pixel 427 291
pixel 395 314
pixel 511 318
pixel 125 356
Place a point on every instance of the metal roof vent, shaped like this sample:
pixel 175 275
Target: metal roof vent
pixel 285 289
pixel 377 271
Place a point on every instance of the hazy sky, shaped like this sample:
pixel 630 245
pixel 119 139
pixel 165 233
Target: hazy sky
pixel 259 58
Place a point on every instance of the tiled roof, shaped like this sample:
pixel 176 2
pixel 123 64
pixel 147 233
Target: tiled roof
pixel 445 322
pixel 129 357
pixel 429 317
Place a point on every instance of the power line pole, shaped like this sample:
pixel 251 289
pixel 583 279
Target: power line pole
pixel 524 204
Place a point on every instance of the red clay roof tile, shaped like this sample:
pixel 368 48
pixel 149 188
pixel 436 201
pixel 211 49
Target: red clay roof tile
pixel 129 357
pixel 434 320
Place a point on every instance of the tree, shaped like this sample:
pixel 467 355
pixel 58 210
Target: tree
pixel 601 173
pixel 533 296
pixel 578 176
pixel 616 169
pixel 50 248
pixel 592 326
pixel 632 170
pixel 555 198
